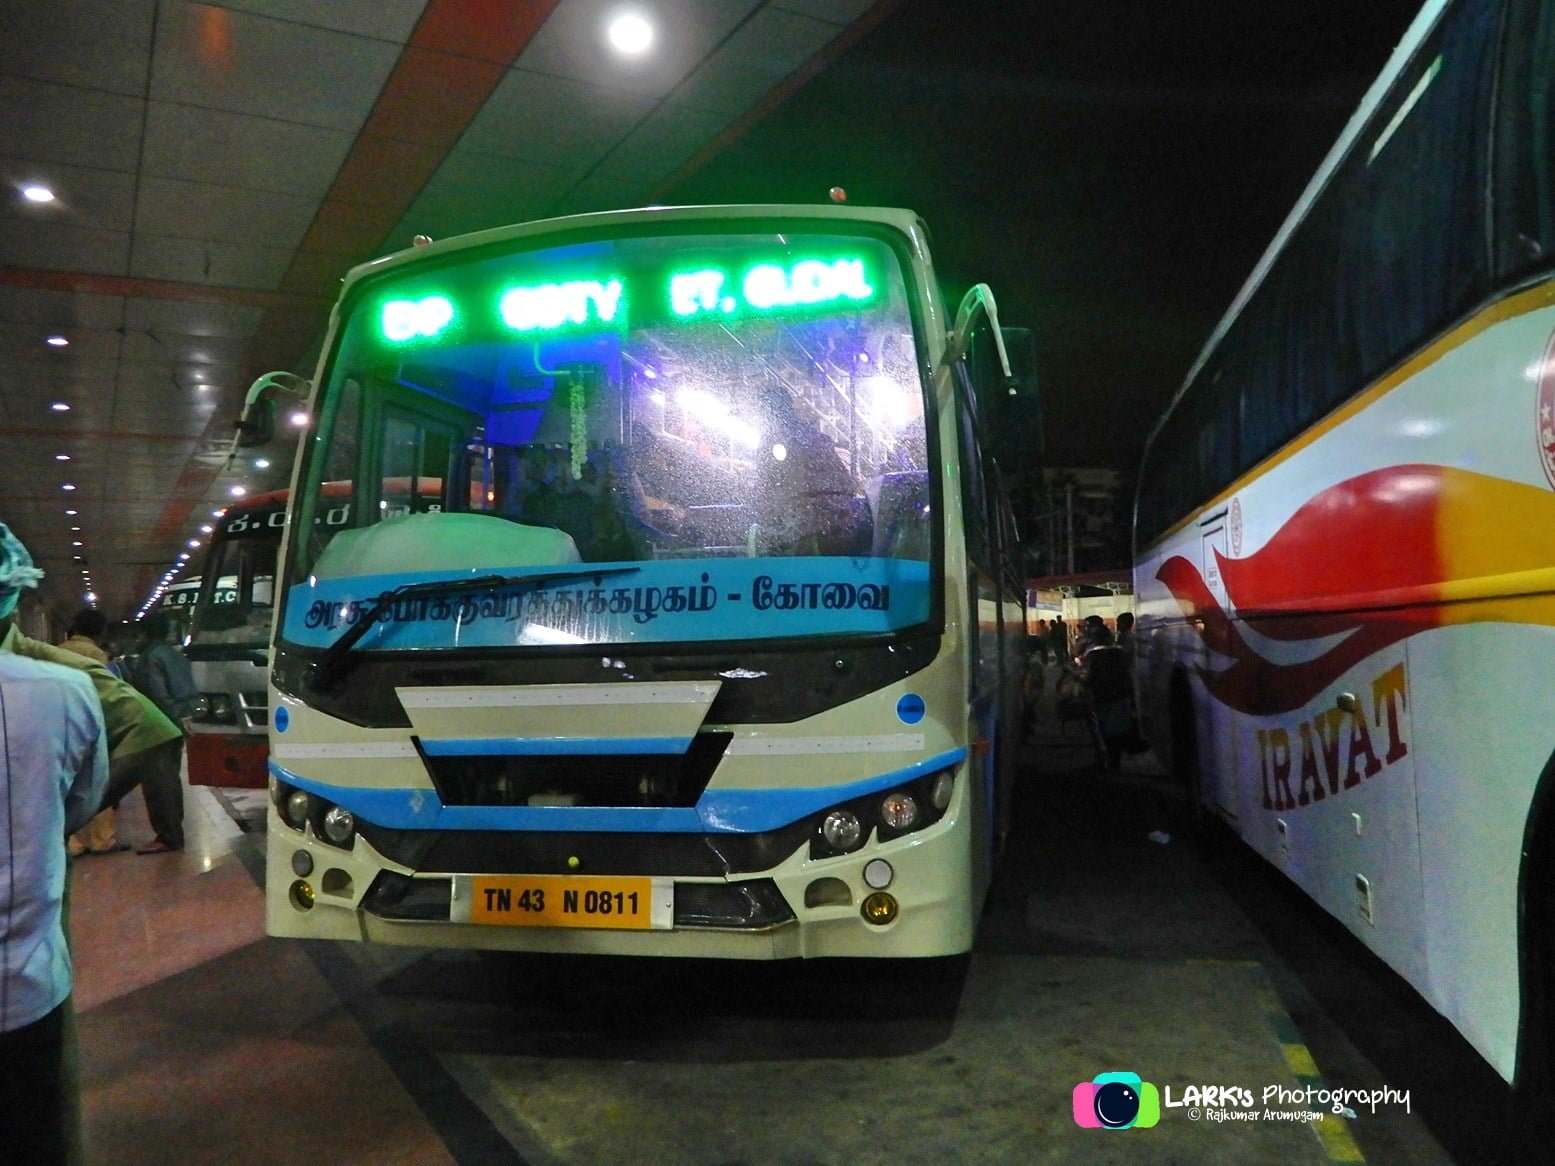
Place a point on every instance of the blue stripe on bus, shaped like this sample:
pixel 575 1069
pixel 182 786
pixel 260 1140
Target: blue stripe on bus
pixel 550 746
pixel 731 811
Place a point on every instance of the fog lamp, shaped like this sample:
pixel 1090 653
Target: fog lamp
pixel 295 809
pixel 302 896
pixel 302 864
pixel 842 830
pixel 339 825
pixel 898 810
pixel 879 908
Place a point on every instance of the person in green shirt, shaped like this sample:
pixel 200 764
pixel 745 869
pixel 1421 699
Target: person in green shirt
pixel 144 745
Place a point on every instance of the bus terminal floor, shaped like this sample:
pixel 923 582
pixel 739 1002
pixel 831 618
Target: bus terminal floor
pixel 205 1042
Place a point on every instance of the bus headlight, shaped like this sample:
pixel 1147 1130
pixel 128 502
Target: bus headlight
pixel 339 825
pixel 842 830
pixel 295 809
pixel 214 706
pixel 898 810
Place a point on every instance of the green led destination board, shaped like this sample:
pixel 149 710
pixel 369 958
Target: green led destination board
pixel 565 305
pixel 769 286
pixel 549 306
pixel 408 319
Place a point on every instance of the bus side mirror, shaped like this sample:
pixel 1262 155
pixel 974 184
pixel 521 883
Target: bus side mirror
pixel 257 424
pixel 1023 413
pixel 1020 346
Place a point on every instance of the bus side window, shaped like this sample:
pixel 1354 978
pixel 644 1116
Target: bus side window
pixel 974 486
pixel 1523 168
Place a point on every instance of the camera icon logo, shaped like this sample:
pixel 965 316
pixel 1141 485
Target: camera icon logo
pixel 1116 1101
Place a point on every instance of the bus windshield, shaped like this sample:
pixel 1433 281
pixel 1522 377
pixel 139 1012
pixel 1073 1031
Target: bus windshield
pixel 237 591
pixel 741 416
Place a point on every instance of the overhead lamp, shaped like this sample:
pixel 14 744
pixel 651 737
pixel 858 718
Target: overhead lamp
pixel 299 419
pixel 56 341
pixel 261 463
pixel 38 193
pixel 237 491
pixel 67 486
pixel 194 542
pixel 184 558
pixel 72 513
pixel 78 543
pixel 206 528
pixel 630 33
pixel 60 407
pixel 62 457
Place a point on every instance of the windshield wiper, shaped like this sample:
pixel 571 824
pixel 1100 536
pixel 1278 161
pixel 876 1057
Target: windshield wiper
pixel 324 667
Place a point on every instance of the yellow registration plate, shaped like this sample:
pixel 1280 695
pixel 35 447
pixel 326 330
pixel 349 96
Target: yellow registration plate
pixel 619 903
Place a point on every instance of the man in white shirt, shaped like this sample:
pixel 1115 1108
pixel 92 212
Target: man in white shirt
pixel 53 770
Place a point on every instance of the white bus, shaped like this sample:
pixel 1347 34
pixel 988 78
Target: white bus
pixel 1345 534
pixel 708 640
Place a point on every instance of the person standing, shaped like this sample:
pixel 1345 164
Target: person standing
pixel 53 770
pixel 1110 686
pixel 143 745
pixel 162 673
pixel 85 637
pixel 1058 636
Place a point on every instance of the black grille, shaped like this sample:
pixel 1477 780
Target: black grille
pixel 609 779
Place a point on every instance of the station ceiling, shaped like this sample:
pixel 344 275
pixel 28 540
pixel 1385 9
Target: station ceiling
pixel 217 168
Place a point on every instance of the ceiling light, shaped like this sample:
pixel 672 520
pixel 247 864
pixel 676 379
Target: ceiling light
pixel 184 558
pixel 37 192
pixel 91 597
pixel 60 407
pixel 261 463
pixel 207 528
pixel 75 528
pixel 77 543
pixel 57 341
pixel 194 542
pixel 67 486
pixel 62 457
pixel 203 388
pixel 299 419
pixel 237 491
pixel 72 513
pixel 630 34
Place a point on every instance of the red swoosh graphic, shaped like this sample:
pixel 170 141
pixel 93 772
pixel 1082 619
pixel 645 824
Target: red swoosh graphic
pixel 1360 557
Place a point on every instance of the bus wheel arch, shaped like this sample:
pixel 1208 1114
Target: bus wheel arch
pixel 1534 1077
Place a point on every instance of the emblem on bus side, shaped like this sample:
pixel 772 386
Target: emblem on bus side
pixel 1544 423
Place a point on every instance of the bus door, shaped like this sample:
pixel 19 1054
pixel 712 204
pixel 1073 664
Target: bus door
pixel 983 626
pixel 1224 763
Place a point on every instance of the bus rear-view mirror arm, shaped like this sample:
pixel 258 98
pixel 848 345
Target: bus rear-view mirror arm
pixel 979 297
pixel 256 425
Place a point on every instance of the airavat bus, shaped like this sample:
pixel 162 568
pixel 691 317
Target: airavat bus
pixel 1345 533
pixel 708 643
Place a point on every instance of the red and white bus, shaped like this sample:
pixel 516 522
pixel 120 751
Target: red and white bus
pixel 1345 534
pixel 228 641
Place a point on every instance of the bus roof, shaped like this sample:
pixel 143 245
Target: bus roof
pixel 905 221
pixel 1419 29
